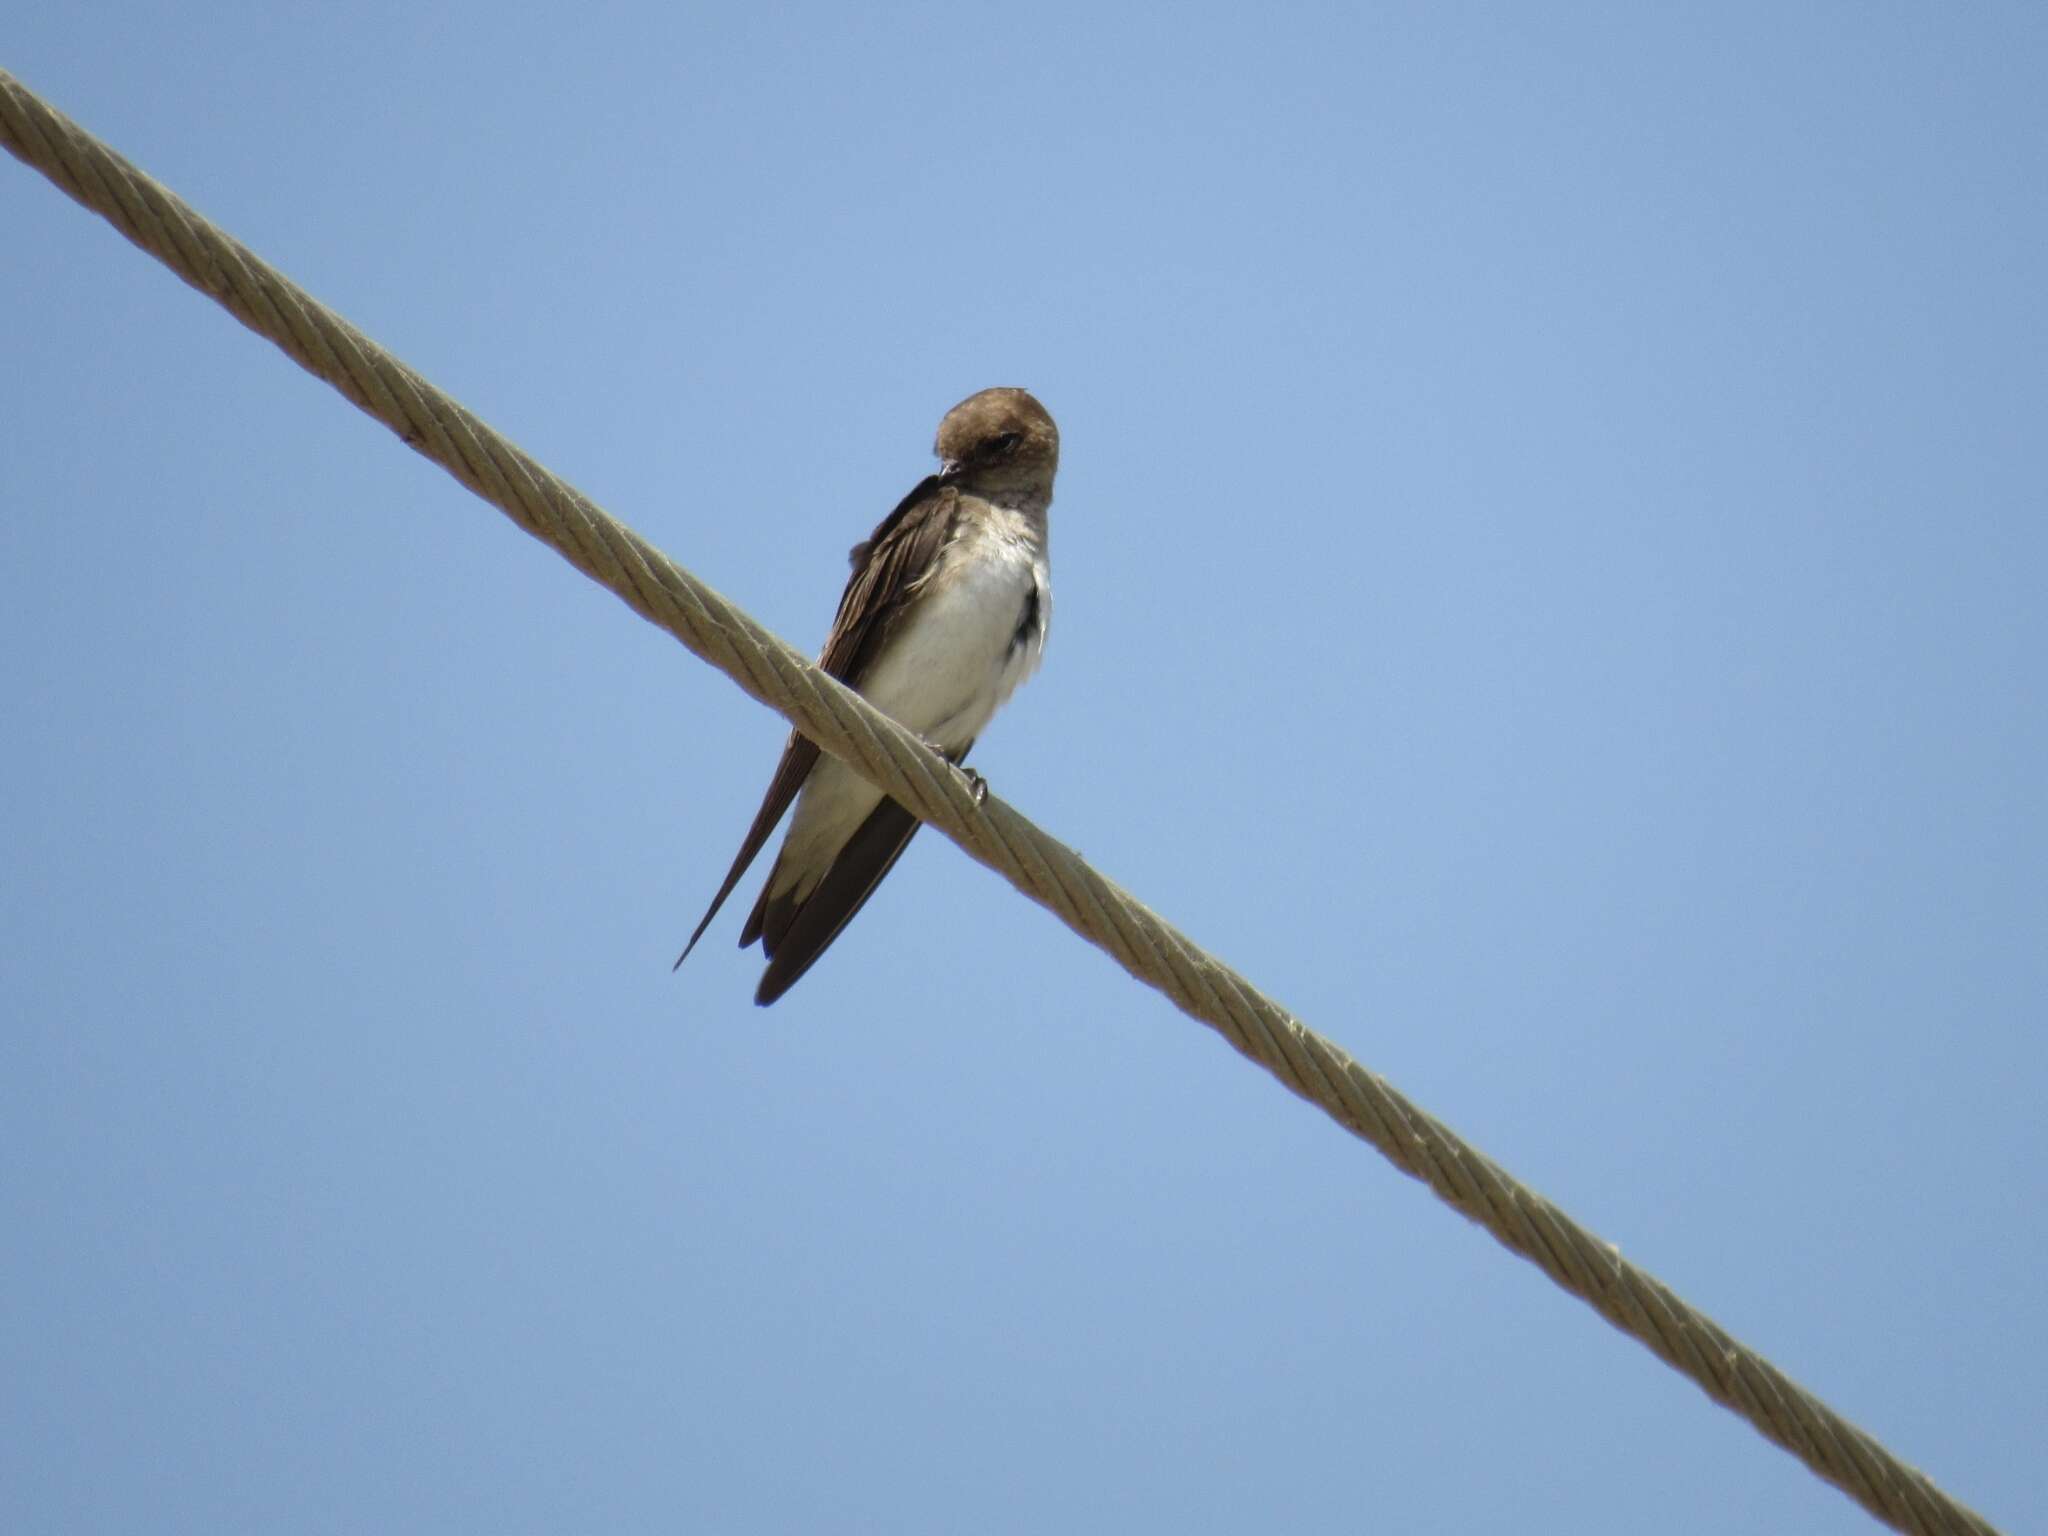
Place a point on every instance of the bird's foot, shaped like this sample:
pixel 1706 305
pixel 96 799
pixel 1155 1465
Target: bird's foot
pixel 978 785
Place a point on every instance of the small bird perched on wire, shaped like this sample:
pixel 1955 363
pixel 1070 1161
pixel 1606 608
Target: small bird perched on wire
pixel 944 615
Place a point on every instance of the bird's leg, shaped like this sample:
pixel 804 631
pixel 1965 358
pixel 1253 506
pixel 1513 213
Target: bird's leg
pixel 976 784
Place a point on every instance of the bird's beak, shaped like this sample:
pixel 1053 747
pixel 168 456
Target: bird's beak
pixel 949 469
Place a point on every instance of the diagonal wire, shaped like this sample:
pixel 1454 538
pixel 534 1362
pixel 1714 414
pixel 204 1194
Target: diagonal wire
pixel 1042 868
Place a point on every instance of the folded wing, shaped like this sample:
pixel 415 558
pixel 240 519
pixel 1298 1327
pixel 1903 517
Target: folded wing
pixel 887 568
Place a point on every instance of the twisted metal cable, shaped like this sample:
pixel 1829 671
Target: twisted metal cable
pixel 1047 871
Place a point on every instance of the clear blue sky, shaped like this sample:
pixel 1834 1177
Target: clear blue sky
pixel 1549 557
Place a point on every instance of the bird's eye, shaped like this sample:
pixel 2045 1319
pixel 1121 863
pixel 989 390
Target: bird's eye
pixel 1007 443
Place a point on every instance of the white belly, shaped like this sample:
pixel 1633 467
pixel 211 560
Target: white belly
pixel 954 664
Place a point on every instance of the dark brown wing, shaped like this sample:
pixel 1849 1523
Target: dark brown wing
pixel 885 567
pixel 794 935
pixel 799 756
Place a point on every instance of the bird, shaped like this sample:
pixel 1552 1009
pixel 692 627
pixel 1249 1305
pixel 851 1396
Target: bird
pixel 945 613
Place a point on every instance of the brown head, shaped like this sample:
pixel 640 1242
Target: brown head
pixel 1001 444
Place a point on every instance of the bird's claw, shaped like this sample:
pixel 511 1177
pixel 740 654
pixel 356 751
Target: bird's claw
pixel 977 785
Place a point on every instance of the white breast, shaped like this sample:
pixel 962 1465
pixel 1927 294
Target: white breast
pixel 953 665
